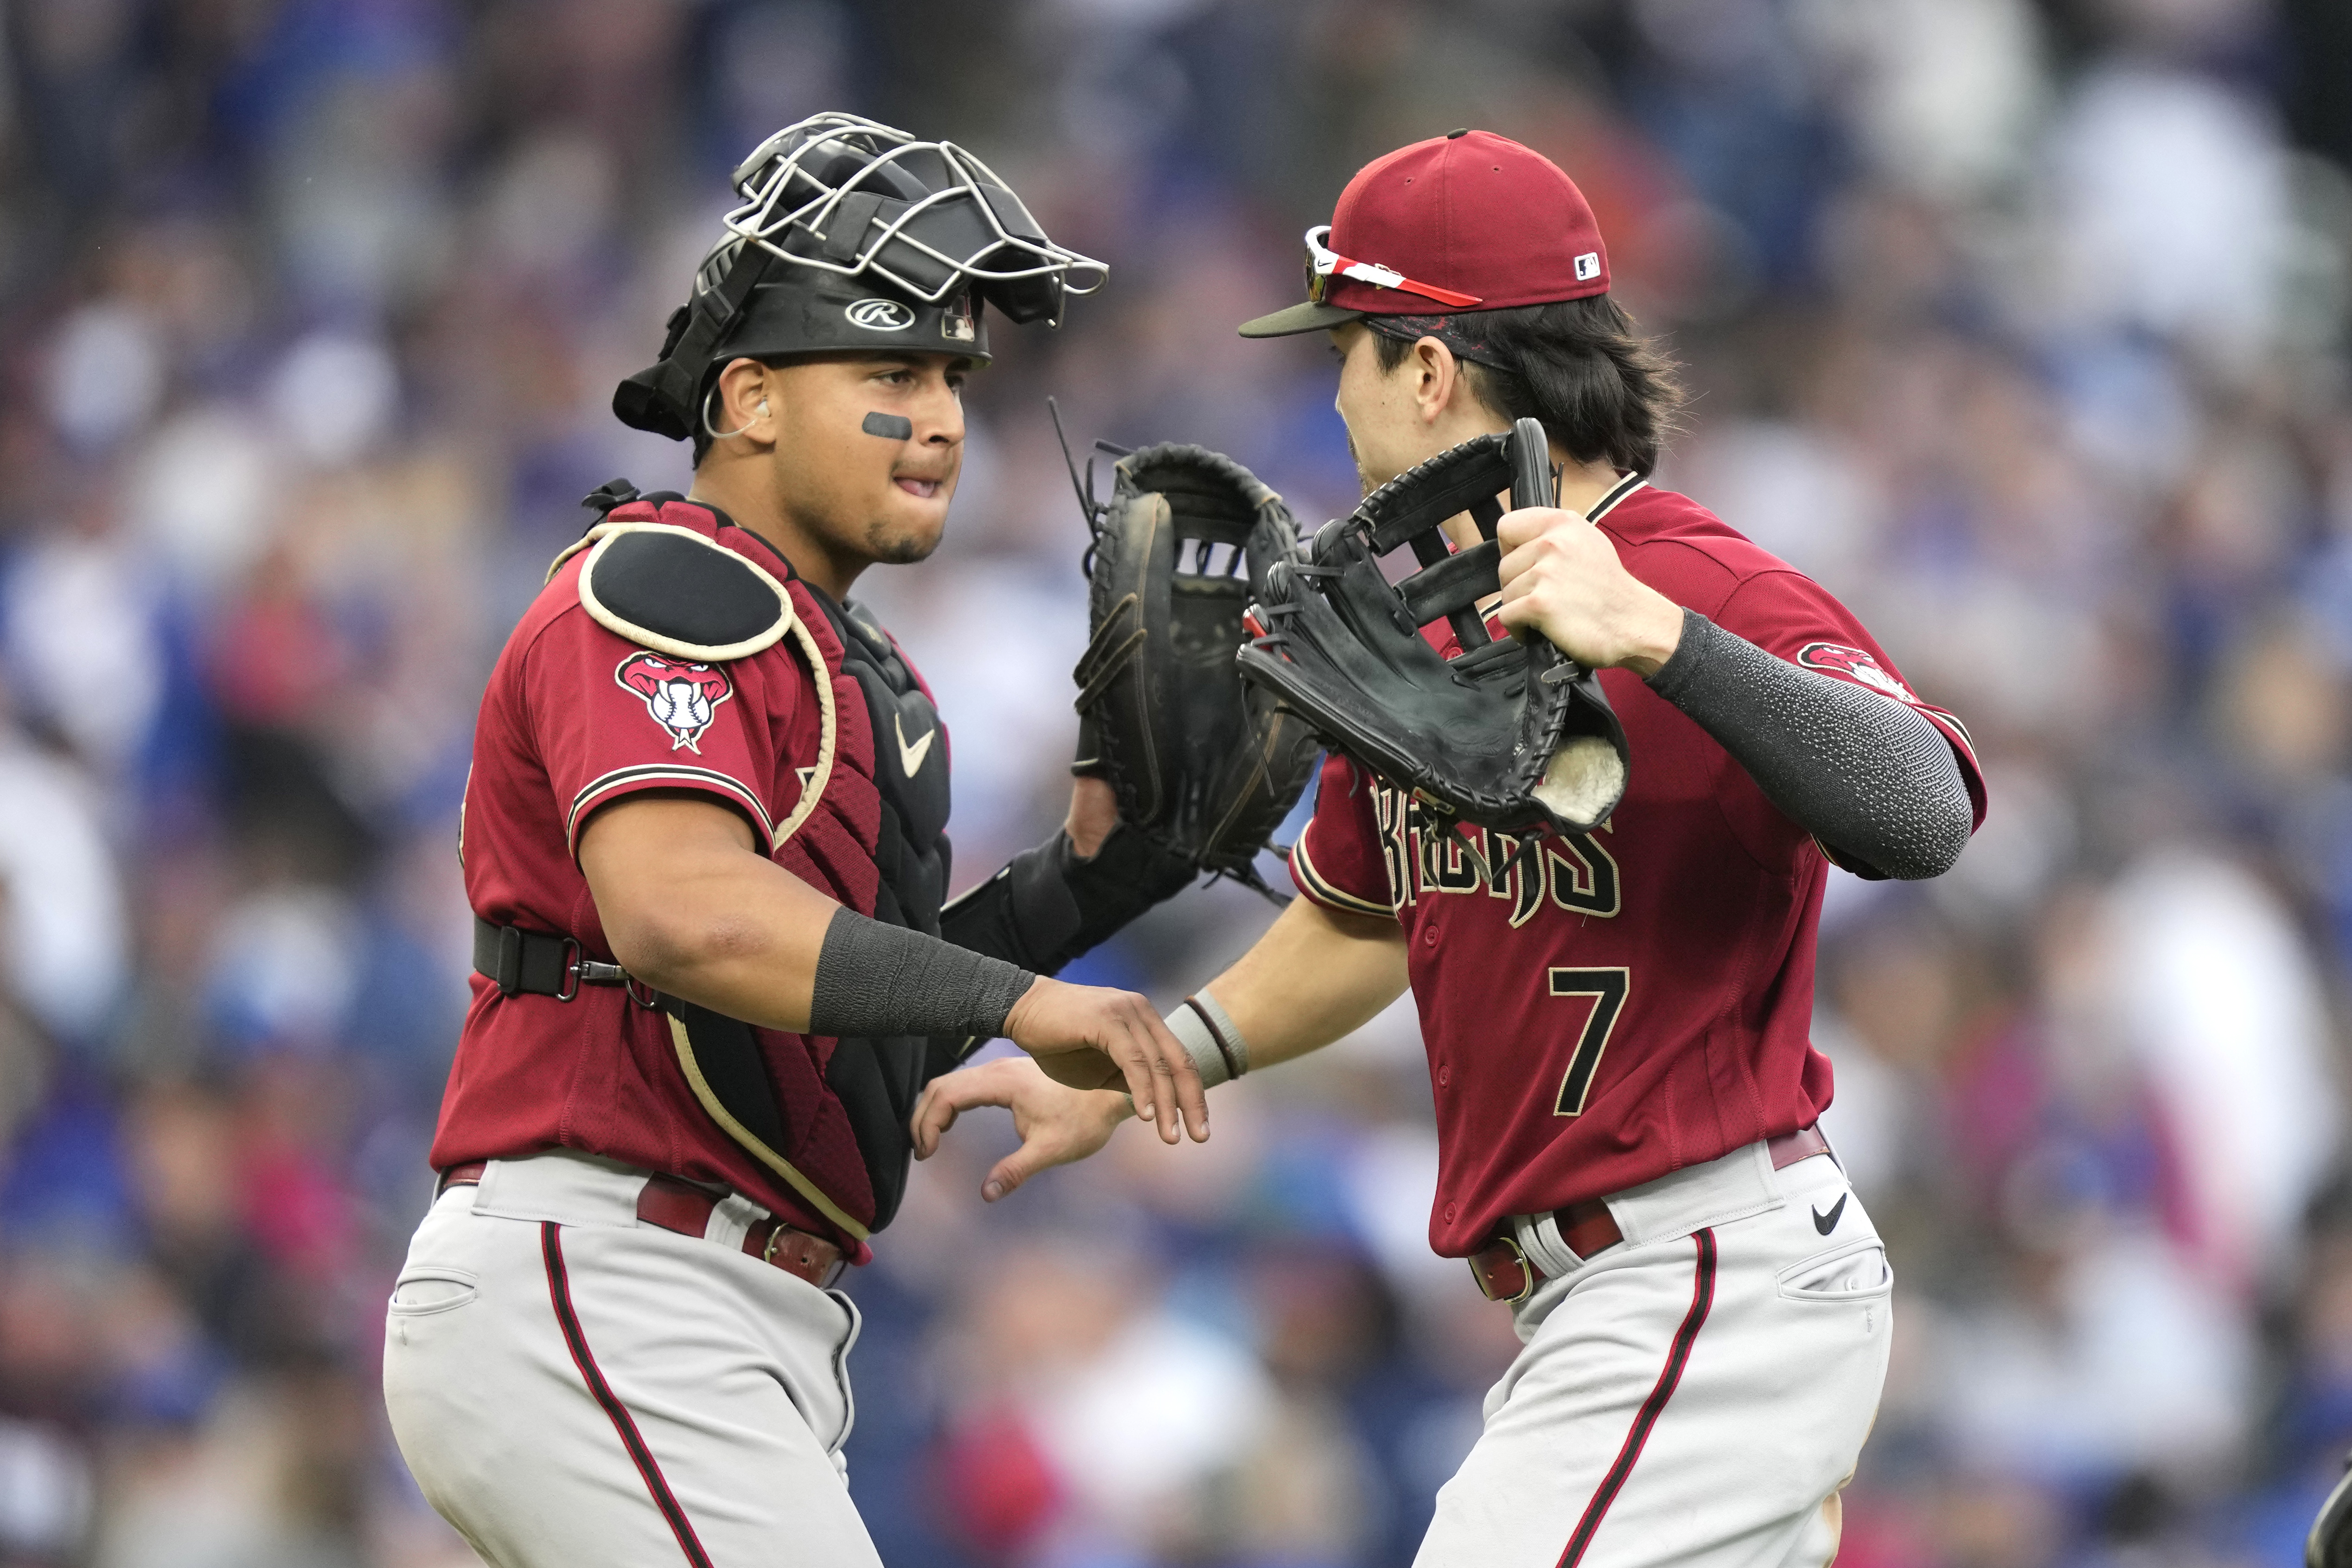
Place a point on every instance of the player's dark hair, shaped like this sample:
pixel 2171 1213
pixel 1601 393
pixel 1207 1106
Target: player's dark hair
pixel 1582 367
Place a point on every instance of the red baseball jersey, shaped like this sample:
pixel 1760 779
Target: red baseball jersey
pixel 1636 999
pixel 575 718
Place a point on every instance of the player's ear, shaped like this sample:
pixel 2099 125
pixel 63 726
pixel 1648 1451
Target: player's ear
pixel 747 397
pixel 1436 374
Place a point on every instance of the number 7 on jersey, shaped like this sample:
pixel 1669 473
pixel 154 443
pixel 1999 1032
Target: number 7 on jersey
pixel 1607 987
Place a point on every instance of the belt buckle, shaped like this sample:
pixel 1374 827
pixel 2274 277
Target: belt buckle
pixel 777 1231
pixel 1526 1274
pixel 573 954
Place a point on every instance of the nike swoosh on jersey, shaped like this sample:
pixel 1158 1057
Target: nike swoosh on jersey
pixel 1826 1223
pixel 911 757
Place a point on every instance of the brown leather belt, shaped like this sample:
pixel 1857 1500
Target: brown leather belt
pixel 1505 1273
pixel 681 1207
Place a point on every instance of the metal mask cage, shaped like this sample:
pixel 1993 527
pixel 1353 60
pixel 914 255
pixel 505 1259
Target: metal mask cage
pixel 851 196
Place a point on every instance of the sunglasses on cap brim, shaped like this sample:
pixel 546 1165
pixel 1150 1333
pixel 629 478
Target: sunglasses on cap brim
pixel 1323 264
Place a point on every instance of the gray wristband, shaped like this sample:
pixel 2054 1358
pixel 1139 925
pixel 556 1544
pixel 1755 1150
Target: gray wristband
pixel 1210 1037
pixel 875 980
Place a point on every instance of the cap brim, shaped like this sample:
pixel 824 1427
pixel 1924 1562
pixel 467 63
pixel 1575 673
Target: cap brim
pixel 1307 318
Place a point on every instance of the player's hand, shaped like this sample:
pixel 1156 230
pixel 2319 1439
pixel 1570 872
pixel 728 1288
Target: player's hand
pixel 1562 577
pixel 1058 1124
pixel 1094 813
pixel 1092 1037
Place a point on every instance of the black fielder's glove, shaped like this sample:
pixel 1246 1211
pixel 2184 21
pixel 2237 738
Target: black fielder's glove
pixel 1205 767
pixel 1510 735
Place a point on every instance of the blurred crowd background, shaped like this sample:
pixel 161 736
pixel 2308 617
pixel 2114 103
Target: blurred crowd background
pixel 2019 323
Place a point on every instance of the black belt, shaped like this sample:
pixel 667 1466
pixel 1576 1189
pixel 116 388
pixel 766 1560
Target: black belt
pixel 538 962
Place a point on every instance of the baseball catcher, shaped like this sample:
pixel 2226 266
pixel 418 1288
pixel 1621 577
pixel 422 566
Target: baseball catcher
pixel 706 848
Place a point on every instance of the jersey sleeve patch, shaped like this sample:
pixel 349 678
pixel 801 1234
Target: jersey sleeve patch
pixel 673 591
pixel 1858 665
pixel 1855 664
pixel 679 695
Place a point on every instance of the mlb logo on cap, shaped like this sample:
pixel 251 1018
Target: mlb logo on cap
pixel 1467 221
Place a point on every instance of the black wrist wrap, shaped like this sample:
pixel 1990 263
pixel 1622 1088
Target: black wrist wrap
pixel 1047 905
pixel 875 980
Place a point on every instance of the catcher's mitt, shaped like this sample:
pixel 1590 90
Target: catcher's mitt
pixel 1509 735
pixel 1202 765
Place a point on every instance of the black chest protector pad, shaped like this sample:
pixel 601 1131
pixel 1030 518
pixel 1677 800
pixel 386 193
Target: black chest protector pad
pixel 880 1080
pixel 911 772
pixel 672 590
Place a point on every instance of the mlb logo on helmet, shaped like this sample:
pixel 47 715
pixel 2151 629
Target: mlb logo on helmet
pixel 956 323
pixel 1467 221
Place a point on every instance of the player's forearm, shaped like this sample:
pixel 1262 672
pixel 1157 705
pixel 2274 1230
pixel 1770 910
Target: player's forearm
pixel 1316 976
pixel 690 908
pixel 720 927
pixel 859 978
pixel 1865 774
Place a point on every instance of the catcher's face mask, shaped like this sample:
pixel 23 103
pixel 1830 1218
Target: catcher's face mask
pixel 848 197
pixel 850 234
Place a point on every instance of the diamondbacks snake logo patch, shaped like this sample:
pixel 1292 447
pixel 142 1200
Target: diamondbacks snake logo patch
pixel 1855 664
pixel 682 698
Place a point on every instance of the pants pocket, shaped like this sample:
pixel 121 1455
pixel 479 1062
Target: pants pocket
pixel 1857 1271
pixel 426 1288
pixel 841 1379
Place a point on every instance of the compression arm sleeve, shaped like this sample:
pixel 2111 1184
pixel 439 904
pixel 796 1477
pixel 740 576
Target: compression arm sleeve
pixel 875 980
pixel 1873 780
pixel 1047 905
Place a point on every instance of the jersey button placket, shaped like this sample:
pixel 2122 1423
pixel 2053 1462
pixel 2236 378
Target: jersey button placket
pixel 1429 934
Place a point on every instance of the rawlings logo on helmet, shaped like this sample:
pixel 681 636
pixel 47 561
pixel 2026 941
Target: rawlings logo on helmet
pixel 682 698
pixel 880 316
pixel 1856 666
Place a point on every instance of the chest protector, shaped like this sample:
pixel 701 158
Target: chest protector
pixel 870 828
pixel 880 1080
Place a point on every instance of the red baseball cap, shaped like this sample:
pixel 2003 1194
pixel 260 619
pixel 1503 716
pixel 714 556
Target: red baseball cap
pixel 1466 221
